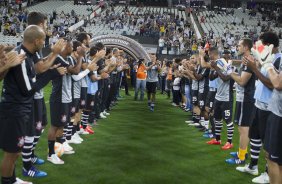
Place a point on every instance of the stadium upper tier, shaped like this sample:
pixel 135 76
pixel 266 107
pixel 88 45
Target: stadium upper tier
pixel 65 6
pixel 218 22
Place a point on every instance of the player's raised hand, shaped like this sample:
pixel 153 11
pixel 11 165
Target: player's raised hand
pixel 59 46
pixel 61 70
pixel 104 75
pixel 92 67
pixel 14 59
pixel 202 52
pixel 101 54
pixel 250 62
pixel 81 51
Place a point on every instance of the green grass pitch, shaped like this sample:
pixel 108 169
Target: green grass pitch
pixel 136 146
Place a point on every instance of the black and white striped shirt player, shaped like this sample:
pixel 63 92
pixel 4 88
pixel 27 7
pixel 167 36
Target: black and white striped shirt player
pixel 244 113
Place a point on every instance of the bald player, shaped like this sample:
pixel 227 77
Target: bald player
pixel 19 86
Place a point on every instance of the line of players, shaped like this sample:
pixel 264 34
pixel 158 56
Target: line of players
pixel 258 106
pixel 85 86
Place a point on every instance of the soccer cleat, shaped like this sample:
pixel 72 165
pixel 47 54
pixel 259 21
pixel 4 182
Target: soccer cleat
pixel 34 173
pixel 199 126
pixel 214 142
pixel 194 124
pixel 186 109
pixel 149 104
pixel 89 130
pixel 82 132
pixel 19 181
pixel 67 147
pixel 55 159
pixel 235 161
pixel 37 161
pixel 263 178
pixel 208 136
pixel 74 141
pixel 102 116
pixel 76 135
pixel 152 108
pixel 235 155
pixel 69 152
pixel 174 104
pixel 246 169
pixel 227 146
pixel 189 121
pixel 106 113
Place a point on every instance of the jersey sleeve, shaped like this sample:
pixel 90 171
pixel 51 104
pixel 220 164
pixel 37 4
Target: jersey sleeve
pixel 62 63
pixel 247 69
pixel 277 63
pixel 28 84
pixel 37 57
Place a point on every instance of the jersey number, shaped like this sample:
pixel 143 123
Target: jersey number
pixel 227 113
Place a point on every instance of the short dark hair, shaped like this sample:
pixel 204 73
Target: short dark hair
pixel 247 42
pixel 177 60
pixel 213 49
pixel 226 52
pixel 93 51
pixel 99 45
pixel 108 51
pixel 36 18
pixel 81 36
pixel 76 44
pixel 270 38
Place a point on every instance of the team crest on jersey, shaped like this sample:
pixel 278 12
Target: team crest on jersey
pixel 39 125
pixel 64 118
pixel 73 110
pixel 92 103
pixel 20 142
pixel 83 102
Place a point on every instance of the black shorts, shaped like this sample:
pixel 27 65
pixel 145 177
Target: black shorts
pixel 151 87
pixel 60 114
pixel 13 129
pixel 202 99
pixel 83 98
pixel 210 99
pixel 75 106
pixel 195 97
pixel 273 138
pixel 90 102
pixel 40 114
pixel 258 126
pixel 182 87
pixel 223 110
pixel 244 113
